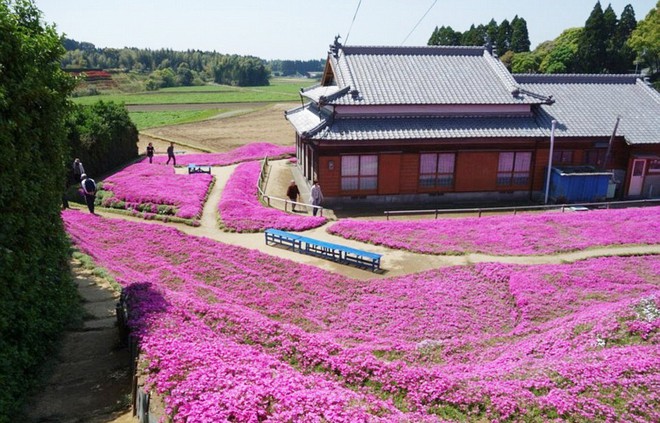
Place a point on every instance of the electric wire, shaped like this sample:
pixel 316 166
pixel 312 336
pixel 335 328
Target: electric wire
pixel 418 22
pixel 352 22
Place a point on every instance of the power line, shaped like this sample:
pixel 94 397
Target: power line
pixel 418 22
pixel 352 22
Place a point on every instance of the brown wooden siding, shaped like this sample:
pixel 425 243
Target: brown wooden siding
pixel 389 169
pixel 476 171
pixel 330 179
pixel 409 173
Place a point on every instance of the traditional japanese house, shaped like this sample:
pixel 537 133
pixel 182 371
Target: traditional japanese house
pixel 448 123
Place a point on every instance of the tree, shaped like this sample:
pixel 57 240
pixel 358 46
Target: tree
pixel 645 40
pixel 445 36
pixel 38 295
pixel 503 42
pixel 525 62
pixel 475 36
pixel 561 57
pixel 625 56
pixel 592 47
pixel 519 35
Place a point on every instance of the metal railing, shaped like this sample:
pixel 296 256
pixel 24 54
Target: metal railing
pixel 516 209
pixel 268 200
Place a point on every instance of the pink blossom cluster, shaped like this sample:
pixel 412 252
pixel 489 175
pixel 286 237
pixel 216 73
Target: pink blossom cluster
pixel 152 188
pixel 241 211
pixel 523 234
pixel 253 151
pixel 234 334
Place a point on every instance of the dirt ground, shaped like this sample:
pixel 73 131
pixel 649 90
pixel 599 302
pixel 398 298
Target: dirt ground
pixel 242 124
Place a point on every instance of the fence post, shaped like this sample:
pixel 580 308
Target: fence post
pixel 479 212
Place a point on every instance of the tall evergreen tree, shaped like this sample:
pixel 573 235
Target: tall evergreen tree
pixel 519 35
pixel 592 47
pixel 492 30
pixel 475 36
pixel 626 26
pixel 445 36
pixel 503 42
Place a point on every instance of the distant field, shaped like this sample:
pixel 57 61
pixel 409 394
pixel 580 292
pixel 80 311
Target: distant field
pixel 146 120
pixel 281 89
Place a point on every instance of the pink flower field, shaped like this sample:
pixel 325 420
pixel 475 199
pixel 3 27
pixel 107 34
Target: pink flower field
pixel 230 334
pixel 241 211
pixel 157 189
pixel 523 234
pixel 253 151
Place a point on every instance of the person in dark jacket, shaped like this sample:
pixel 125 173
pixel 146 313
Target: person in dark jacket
pixel 170 154
pixel 293 193
pixel 78 170
pixel 89 190
pixel 150 152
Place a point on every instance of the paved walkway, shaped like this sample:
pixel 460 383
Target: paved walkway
pixel 394 262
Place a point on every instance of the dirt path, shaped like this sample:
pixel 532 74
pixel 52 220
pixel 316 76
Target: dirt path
pixel 90 380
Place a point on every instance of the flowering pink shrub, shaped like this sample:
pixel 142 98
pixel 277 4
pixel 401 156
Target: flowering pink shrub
pixel 241 211
pixel 253 151
pixel 157 189
pixel 234 334
pixel 523 234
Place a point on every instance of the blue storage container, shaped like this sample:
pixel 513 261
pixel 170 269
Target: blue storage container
pixel 575 184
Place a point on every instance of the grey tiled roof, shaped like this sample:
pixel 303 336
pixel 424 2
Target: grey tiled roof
pixel 307 120
pixel 423 75
pixel 588 105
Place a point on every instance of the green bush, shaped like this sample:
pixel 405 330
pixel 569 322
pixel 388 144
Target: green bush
pixel 102 136
pixel 37 295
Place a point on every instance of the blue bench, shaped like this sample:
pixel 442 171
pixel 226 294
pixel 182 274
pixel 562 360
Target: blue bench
pixel 327 250
pixel 193 168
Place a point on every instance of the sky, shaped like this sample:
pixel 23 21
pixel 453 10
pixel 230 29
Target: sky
pixel 302 29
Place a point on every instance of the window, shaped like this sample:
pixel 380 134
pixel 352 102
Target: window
pixel 436 170
pixel 595 157
pixel 359 173
pixel 562 157
pixel 513 168
pixel 654 165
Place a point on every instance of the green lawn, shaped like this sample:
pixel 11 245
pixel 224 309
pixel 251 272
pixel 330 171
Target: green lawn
pixel 281 89
pixel 146 120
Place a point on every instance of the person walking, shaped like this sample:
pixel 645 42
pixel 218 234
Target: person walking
pixel 150 152
pixel 78 170
pixel 170 154
pixel 316 197
pixel 293 193
pixel 89 190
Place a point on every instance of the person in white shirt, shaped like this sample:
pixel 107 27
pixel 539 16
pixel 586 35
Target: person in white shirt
pixel 316 197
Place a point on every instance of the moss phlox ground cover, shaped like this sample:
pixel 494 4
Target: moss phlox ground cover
pixel 233 334
pixel 252 151
pixel 241 211
pixel 522 234
pixel 154 188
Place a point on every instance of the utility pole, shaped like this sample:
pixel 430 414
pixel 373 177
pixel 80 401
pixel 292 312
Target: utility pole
pixel 552 149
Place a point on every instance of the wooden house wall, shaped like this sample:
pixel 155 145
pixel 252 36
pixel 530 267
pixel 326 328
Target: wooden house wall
pixel 475 167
